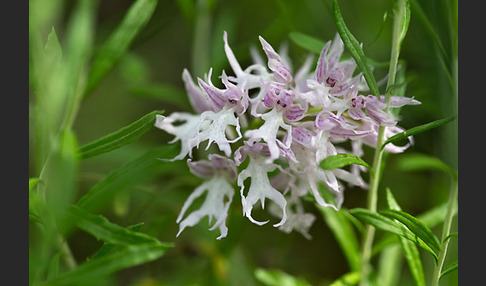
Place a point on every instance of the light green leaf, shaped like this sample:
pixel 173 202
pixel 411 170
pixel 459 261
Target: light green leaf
pixel 126 257
pixel 101 228
pixel 355 49
pixel 435 215
pixel 417 130
pixel 61 173
pixel 451 267
pixel 307 42
pixel 344 234
pixel 276 277
pixel 32 183
pixel 121 137
pixel 118 43
pixel 348 279
pixel 402 10
pixel 127 175
pixel 389 265
pixel 415 226
pixel 342 160
pixel 420 162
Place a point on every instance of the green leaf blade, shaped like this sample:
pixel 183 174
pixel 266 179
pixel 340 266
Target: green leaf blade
pixel 126 257
pixel 112 50
pixel 101 228
pixel 415 226
pixel 420 162
pixel 121 137
pixel 417 130
pixel 354 48
pixel 276 277
pixel 409 249
pixel 386 224
pixel 128 174
pixel 344 234
pixel 342 160
pixel 307 42
pixel 450 268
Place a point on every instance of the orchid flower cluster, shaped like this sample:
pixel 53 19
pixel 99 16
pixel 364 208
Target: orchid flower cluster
pixel 284 123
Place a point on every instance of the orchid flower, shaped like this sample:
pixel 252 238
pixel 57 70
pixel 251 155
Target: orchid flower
pixel 286 123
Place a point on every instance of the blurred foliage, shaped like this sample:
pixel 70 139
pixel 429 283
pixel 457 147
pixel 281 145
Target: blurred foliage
pixel 147 76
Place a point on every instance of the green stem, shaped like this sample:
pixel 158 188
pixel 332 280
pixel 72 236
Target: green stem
pixel 397 37
pixel 445 233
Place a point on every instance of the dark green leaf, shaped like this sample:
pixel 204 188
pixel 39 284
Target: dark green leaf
pixel 128 174
pixel 355 49
pixel 386 224
pixel 307 42
pixel 451 267
pixel 417 130
pixel 101 228
pixel 276 277
pixel 452 235
pixel 126 257
pixel 344 234
pixel 121 137
pixel 409 249
pixel 415 226
pixel 348 279
pixel 342 160
pixel 118 43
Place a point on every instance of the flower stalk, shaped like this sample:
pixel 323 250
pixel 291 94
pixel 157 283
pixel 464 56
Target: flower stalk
pixel 445 233
pixel 400 25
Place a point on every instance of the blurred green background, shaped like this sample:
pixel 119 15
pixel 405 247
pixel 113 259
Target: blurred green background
pixel 189 34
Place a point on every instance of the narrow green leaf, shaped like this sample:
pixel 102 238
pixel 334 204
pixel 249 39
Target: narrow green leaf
pixel 53 269
pixel 61 173
pixel 117 44
pixel 101 228
pixel 164 93
pixel 389 265
pixel 412 255
pixel 348 279
pixel 386 224
pixel 32 183
pixel 417 130
pixel 420 162
pixel 435 215
pixel 451 267
pixel 342 160
pixel 409 249
pixel 121 137
pixel 415 226
pixel 451 235
pixel 77 53
pixel 344 234
pixel 307 42
pixel 276 277
pixel 403 11
pixel 126 257
pixel 128 174
pixel 355 49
